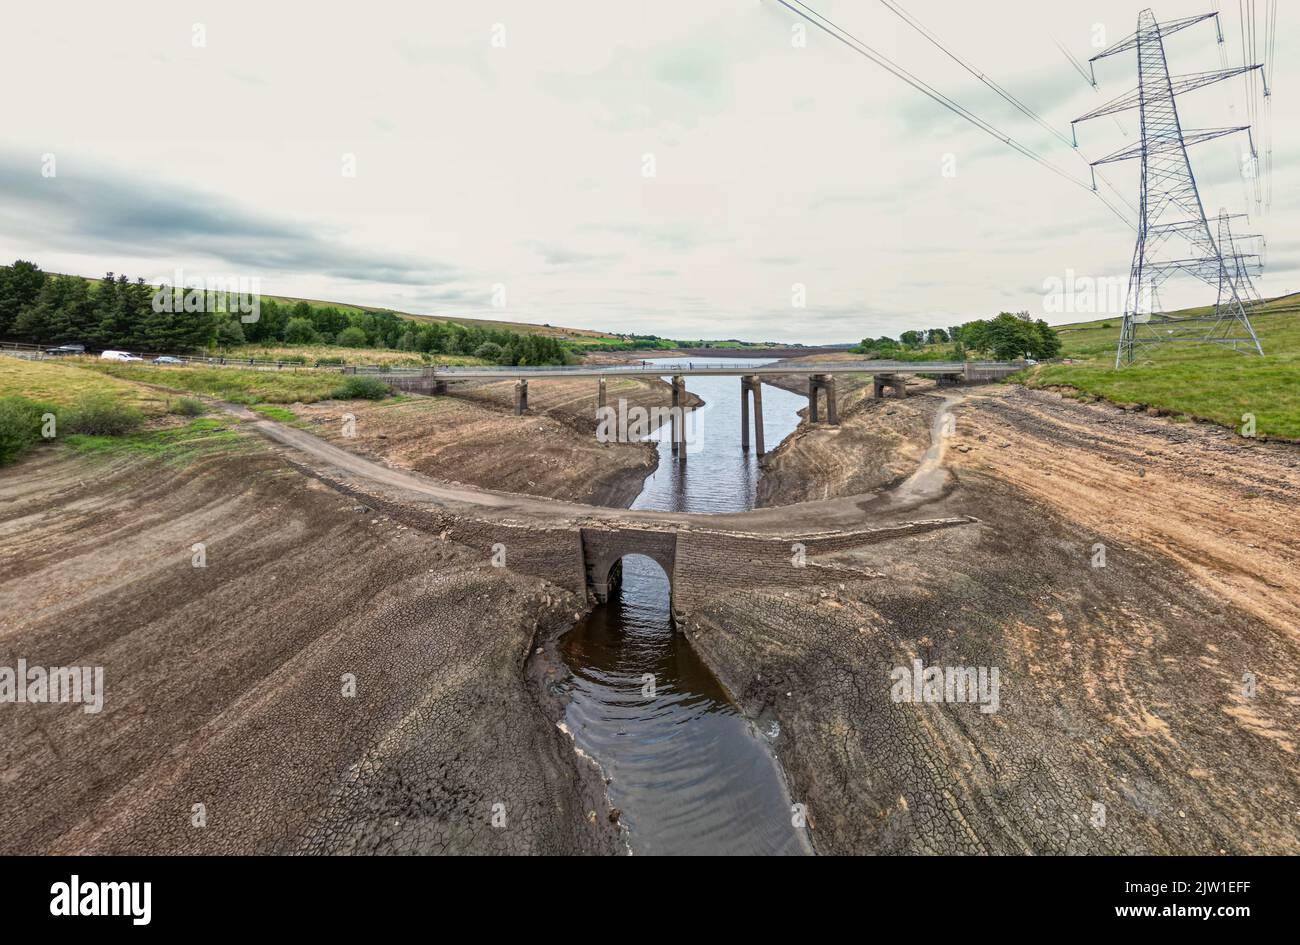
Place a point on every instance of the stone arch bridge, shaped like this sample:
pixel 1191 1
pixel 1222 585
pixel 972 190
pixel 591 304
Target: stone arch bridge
pixel 580 547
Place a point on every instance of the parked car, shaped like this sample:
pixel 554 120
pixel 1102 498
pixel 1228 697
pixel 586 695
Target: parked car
pixel 119 356
pixel 66 350
pixel 167 359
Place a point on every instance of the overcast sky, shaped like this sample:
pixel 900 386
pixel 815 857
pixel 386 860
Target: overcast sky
pixel 501 149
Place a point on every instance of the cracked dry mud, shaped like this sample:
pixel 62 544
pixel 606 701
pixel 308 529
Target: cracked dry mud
pixel 224 683
pixel 1122 686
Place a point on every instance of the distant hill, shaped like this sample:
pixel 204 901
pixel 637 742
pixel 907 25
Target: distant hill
pixel 573 334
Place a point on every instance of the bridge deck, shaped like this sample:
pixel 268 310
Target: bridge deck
pixel 704 368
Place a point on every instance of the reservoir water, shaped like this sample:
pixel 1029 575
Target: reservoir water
pixel 689 773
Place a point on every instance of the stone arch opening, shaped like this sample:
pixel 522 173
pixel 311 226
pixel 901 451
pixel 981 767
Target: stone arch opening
pixel 603 550
pixel 637 561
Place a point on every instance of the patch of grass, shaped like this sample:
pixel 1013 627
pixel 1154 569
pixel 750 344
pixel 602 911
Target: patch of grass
pixel 62 382
pixel 235 385
pixel 279 414
pixel 361 388
pixel 20 426
pixel 98 413
pixel 189 407
pixel 1202 381
pixel 175 445
pixel 334 355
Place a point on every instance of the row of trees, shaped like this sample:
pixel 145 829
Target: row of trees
pixel 1003 337
pixel 119 313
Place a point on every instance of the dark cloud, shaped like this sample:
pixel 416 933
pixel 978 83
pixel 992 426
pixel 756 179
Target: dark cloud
pixel 116 214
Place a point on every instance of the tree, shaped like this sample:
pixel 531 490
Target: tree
pixel 1049 342
pixel 20 286
pixel 490 351
pixel 299 331
pixel 230 334
pixel 351 337
pixel 911 339
pixel 936 336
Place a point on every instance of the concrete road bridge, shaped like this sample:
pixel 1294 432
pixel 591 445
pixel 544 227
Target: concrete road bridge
pixel 581 547
pixel 886 376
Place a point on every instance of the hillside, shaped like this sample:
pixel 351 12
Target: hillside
pixel 550 331
pixel 1206 382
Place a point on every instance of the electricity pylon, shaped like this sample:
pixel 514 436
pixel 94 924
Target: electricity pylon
pixel 1174 236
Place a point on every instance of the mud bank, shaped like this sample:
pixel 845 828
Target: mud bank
pixel 876 445
pixel 472 436
pixel 330 681
pixel 1125 723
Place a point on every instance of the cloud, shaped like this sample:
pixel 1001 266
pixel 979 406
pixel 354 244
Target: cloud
pixel 159 219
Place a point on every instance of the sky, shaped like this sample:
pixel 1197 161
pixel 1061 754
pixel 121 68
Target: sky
pixel 685 169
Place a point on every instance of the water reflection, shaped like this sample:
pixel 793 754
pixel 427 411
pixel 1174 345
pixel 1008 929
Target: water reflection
pixel 688 771
pixel 717 476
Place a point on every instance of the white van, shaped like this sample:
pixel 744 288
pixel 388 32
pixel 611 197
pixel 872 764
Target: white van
pixel 118 356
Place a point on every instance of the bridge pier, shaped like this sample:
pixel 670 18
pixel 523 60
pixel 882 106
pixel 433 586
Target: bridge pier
pixel 751 385
pixel 678 419
pixel 521 397
pixel 881 381
pixel 816 384
pixel 600 393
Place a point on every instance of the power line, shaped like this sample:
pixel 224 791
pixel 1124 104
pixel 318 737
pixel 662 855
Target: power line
pixel 1024 109
pixel 1007 96
pixel 837 32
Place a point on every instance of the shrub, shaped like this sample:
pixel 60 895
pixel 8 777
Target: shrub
pixel 190 407
pixel 300 331
pixel 490 351
pixel 20 427
pixel 332 361
pixel 361 388
pixel 100 414
pixel 351 337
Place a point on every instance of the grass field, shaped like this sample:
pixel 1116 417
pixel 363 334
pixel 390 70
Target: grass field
pixel 172 445
pixel 62 383
pixel 333 354
pixel 1204 382
pixel 231 384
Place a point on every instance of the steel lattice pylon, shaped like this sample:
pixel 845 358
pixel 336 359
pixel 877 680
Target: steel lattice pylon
pixel 1174 235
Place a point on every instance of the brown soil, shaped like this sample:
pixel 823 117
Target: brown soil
pixel 1125 723
pixel 1123 686
pixel 223 684
pixel 877 442
pixel 472 436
